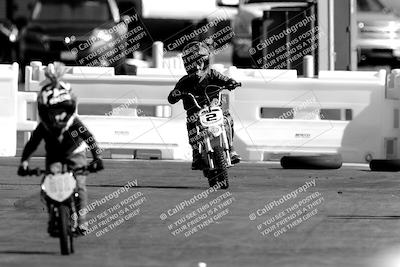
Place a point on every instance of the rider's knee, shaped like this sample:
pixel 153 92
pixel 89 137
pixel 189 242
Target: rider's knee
pixel 81 182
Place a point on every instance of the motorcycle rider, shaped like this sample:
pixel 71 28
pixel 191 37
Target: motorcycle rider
pixel 196 59
pixel 64 135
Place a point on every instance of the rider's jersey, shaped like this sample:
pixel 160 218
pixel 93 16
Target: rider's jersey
pixel 192 84
pixel 61 147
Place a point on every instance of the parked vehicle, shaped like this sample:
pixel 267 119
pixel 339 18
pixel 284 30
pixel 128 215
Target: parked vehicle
pixel 74 32
pixel 8 39
pixel 250 11
pixel 378 31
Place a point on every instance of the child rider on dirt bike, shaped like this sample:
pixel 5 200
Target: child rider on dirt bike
pixel 196 59
pixel 63 134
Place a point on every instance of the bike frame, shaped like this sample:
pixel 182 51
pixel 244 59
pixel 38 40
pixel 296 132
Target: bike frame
pixel 60 188
pixel 59 192
pixel 212 124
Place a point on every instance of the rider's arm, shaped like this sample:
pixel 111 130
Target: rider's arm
pixel 33 143
pixel 87 136
pixel 176 94
pixel 221 79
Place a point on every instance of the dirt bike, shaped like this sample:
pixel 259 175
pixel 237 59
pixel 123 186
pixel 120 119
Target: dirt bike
pixel 59 192
pixel 215 137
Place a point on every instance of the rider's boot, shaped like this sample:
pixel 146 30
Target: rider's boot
pixel 235 157
pixel 81 202
pixel 82 229
pixel 197 163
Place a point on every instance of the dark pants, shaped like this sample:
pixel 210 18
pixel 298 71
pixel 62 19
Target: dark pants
pixel 75 161
pixel 194 138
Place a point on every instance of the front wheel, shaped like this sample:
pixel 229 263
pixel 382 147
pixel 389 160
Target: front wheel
pixel 64 224
pixel 220 175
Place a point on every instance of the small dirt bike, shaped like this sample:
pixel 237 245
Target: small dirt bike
pixel 60 194
pixel 215 136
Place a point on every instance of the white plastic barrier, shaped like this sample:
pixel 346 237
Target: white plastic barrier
pixel 165 72
pixel 300 129
pixel 122 125
pixel 24 123
pixel 13 110
pixel 361 120
pixel 8 110
pixel 157 131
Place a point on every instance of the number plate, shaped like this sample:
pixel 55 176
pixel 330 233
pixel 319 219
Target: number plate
pixel 210 118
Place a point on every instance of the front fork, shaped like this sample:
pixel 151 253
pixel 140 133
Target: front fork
pixel 74 210
pixel 53 209
pixel 225 145
pixel 209 150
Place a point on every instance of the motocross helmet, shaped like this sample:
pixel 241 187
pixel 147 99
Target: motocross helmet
pixel 56 102
pixel 196 57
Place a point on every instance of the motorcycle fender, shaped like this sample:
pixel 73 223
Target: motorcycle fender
pixel 59 187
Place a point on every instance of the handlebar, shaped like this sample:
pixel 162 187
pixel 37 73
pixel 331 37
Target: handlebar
pixel 219 93
pixel 35 172
pixel 38 171
pixel 194 100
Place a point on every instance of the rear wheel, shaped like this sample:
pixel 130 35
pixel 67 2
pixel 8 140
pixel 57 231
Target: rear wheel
pixel 65 230
pixel 220 175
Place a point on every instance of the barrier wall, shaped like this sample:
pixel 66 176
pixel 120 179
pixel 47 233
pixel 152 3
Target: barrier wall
pixel 117 106
pixel 8 110
pixel 13 110
pixel 363 136
pixel 276 113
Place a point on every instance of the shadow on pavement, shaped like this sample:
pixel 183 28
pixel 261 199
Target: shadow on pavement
pixel 28 252
pixel 365 217
pixel 151 186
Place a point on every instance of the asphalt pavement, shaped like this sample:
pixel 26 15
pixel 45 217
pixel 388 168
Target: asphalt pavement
pixel 160 213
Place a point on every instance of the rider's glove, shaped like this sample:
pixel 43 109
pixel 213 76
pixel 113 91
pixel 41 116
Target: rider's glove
pixel 179 94
pixel 23 169
pixel 96 165
pixel 232 85
pixel 176 93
